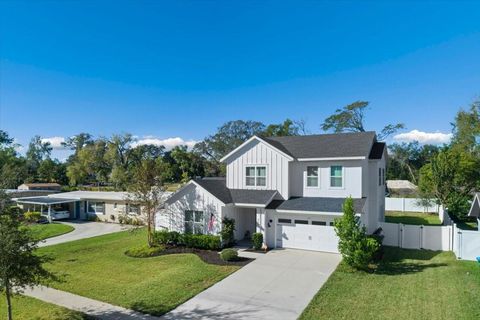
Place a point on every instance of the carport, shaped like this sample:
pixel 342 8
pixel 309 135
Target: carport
pixel 47 202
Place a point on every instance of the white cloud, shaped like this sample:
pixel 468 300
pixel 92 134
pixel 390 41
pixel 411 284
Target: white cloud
pixel 424 137
pixel 169 143
pixel 55 142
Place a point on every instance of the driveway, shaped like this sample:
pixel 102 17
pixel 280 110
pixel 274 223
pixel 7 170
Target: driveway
pixel 277 285
pixel 84 229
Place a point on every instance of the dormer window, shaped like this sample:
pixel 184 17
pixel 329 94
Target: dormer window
pixel 312 177
pixel 256 176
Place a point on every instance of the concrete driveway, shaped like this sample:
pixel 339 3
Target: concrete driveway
pixel 84 229
pixel 277 285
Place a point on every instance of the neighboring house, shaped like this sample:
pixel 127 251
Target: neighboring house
pixel 40 186
pixel 106 206
pixel 475 209
pixel 291 189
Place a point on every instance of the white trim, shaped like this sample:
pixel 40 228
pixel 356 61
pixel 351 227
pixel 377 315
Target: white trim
pixel 332 159
pixel 475 199
pixel 250 140
pixel 255 187
pixel 250 205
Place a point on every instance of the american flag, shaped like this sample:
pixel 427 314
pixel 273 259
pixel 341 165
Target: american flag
pixel 211 222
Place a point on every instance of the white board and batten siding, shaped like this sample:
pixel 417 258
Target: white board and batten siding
pixel 191 197
pixel 259 153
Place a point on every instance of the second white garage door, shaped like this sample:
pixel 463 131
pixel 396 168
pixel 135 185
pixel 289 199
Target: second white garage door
pixel 307 234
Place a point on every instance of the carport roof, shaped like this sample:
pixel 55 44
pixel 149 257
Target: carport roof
pixel 315 204
pixel 44 200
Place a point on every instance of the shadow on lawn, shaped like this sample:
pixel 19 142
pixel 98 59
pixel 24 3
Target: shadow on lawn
pixel 403 261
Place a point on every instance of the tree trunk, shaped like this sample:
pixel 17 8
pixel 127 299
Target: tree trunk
pixel 9 302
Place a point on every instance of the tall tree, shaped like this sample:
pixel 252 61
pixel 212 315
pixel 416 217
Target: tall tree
pixel 147 193
pixel 37 151
pixel 13 168
pixel 90 165
pixel 351 118
pixel 466 128
pixel 20 266
pixel 228 137
pixel 287 128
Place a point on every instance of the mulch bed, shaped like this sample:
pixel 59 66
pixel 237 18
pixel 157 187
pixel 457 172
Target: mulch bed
pixel 207 256
pixel 256 251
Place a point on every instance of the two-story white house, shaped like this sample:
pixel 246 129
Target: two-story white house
pixel 289 188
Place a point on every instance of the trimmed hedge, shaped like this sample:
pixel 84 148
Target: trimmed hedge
pixel 199 241
pixel 229 254
pixel 144 251
pixel 257 239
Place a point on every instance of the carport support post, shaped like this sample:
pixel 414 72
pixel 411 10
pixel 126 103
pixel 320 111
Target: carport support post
pixel 49 213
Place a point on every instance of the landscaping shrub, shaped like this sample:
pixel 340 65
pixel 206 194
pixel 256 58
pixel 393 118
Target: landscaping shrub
pixel 202 241
pixel 93 217
pixel 144 251
pixel 229 254
pixel 356 247
pixel 167 237
pixel 32 217
pixel 227 233
pixel 257 239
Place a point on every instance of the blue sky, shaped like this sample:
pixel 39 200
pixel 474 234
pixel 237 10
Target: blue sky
pixel 164 70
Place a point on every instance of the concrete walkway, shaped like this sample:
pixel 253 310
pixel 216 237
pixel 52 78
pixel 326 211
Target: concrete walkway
pixel 88 306
pixel 84 229
pixel 277 285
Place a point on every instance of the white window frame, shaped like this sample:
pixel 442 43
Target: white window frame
pixel 94 205
pixel 330 177
pixel 193 222
pixel 255 176
pixel 307 176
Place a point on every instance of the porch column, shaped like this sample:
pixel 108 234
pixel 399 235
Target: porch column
pixel 262 223
pixel 49 213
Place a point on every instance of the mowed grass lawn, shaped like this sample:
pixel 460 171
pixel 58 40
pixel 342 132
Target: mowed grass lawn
pixel 417 218
pixel 98 268
pixel 49 230
pixel 409 284
pixel 26 308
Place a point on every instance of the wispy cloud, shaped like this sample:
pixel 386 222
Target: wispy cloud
pixel 169 143
pixel 424 137
pixel 55 142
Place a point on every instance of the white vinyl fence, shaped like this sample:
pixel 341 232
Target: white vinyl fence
pixel 466 243
pixel 411 205
pixel 417 237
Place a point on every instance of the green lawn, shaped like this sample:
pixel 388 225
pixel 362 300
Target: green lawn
pixel 409 284
pixel 417 218
pixel 26 308
pixel 49 230
pixel 98 268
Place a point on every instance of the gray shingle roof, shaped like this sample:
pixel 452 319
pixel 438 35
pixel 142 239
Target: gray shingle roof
pixel 333 145
pixel 252 196
pixel 217 187
pixel 46 200
pixel 315 204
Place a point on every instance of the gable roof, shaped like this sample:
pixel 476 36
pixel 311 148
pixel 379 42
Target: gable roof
pixel 217 187
pixel 334 145
pixel 275 146
pixel 475 207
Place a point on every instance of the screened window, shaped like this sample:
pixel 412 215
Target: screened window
pixel 312 176
pixel 256 176
pixel 336 176
pixel 96 207
pixel 194 222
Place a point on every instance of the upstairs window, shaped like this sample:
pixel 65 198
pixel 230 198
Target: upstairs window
pixel 336 176
pixel 312 176
pixel 194 222
pixel 256 176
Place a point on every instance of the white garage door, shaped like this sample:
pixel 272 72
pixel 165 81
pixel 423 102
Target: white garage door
pixel 306 233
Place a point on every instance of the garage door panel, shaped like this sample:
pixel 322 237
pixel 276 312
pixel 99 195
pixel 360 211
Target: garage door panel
pixel 307 237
